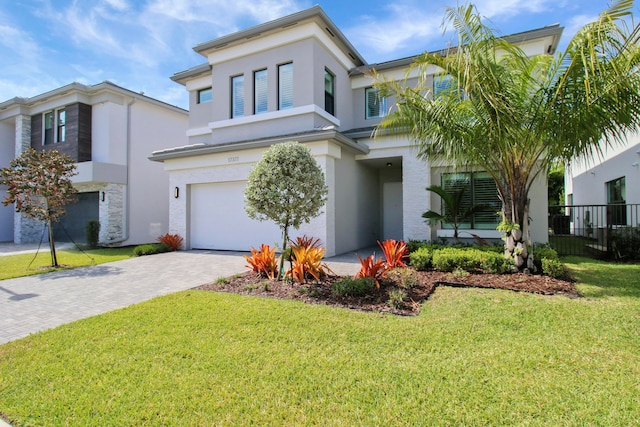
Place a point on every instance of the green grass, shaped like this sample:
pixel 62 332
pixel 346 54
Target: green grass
pixel 18 265
pixel 472 357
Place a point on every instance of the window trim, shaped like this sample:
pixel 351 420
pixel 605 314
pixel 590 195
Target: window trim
pixel 233 114
pixel 332 109
pixel 256 94
pixel 473 224
pixel 282 106
pixel 58 130
pixel 61 125
pixel 382 108
pixel 208 91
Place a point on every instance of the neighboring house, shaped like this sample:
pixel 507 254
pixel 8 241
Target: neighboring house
pixel 607 190
pixel 109 131
pixel 298 78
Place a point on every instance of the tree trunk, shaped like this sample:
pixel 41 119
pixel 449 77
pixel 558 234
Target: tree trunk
pixel 52 245
pixel 285 235
pixel 517 239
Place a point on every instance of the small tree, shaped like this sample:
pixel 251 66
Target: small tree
pixel 287 187
pixel 39 183
pixel 454 211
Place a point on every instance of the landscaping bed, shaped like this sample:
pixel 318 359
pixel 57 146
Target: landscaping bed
pixel 320 292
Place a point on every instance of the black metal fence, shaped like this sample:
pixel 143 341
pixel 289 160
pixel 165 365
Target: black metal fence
pixel 588 229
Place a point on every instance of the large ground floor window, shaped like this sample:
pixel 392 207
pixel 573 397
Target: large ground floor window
pixel 479 189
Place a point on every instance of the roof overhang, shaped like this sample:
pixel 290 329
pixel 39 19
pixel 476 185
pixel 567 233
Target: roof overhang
pixel 313 14
pixel 304 137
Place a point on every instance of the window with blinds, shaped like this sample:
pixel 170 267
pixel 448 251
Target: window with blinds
pixel 260 92
pixel 375 105
pixel 285 86
pixel 237 96
pixel 446 85
pixel 479 189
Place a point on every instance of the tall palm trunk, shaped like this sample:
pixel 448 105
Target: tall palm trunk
pixel 517 239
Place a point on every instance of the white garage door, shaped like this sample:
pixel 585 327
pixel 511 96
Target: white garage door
pixel 218 219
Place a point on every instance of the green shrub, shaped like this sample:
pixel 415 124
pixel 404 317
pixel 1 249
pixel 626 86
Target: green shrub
pixel 447 259
pixel 396 298
pixel 625 242
pixel 542 252
pixel 354 287
pixel 552 267
pixel 150 249
pixel 414 245
pixel 471 259
pixel 404 278
pixel 496 263
pixel 420 259
pixel 92 231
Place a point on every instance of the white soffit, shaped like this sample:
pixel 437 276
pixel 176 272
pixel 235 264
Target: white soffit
pixel 199 83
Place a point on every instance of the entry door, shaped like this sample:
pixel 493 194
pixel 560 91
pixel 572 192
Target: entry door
pixel 72 226
pixel 392 210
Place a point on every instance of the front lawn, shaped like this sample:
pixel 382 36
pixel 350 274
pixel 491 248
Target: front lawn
pixel 472 357
pixel 21 264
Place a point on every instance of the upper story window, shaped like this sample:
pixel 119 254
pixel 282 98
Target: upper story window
pixel 444 84
pixel 479 189
pixel 260 92
pixel 329 90
pixel 205 95
pixel 285 86
pixel 375 105
pixel 61 135
pixel 48 128
pixel 55 126
pixel 237 96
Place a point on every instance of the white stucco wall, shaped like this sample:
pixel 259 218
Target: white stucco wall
pixel 152 128
pixel 587 181
pixel 235 166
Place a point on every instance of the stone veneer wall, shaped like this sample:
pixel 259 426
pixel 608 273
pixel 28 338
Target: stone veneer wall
pixel 111 211
pixel 25 230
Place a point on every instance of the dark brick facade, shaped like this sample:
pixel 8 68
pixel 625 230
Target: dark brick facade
pixel 77 143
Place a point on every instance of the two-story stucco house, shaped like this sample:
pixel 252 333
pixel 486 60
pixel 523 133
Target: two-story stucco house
pixel 299 78
pixel 109 131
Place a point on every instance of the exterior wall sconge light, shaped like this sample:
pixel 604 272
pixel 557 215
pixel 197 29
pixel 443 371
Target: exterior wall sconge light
pixel 103 196
pixel 635 164
pixel 176 192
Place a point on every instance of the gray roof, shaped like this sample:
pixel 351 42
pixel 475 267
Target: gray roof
pixel 86 89
pixel 554 30
pixel 302 137
pixel 314 12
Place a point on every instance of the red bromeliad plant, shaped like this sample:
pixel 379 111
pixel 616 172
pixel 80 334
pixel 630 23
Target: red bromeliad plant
pixel 394 252
pixel 307 262
pixel 306 259
pixel 376 269
pixel 173 241
pixel 306 241
pixel 263 261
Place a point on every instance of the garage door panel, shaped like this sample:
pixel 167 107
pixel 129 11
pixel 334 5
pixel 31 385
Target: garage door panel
pixel 219 221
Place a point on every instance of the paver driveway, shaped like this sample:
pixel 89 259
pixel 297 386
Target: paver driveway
pixel 35 303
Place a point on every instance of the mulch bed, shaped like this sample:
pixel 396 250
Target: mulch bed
pixel 320 292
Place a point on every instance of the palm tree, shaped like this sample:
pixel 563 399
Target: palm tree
pixel 455 212
pixel 513 115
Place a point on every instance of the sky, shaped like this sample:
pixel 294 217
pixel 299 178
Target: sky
pixel 139 45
